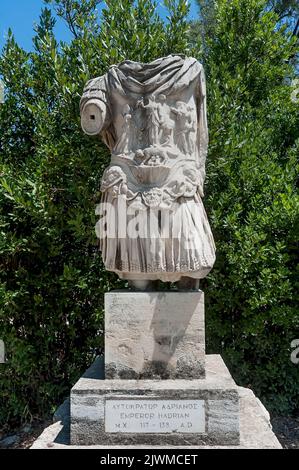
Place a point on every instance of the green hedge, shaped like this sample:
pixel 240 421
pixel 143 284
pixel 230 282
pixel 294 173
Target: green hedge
pixel 252 200
pixel 52 280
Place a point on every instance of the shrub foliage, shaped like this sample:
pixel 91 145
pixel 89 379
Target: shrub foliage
pixel 52 280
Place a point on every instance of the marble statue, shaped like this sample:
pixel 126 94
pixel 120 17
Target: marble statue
pixel 153 225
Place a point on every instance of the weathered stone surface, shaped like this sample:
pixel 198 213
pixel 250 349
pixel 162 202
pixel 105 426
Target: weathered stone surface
pixel 255 427
pixel 217 390
pixel 221 419
pixel 154 335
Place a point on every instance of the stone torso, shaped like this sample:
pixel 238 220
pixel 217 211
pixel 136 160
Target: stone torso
pixel 153 119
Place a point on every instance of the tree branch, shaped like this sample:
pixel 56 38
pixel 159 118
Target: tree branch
pixel 70 19
pixel 285 15
pixel 296 29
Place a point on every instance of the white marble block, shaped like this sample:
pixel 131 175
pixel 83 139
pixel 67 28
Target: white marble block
pixel 157 335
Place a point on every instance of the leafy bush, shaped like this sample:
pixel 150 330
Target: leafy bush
pixel 253 205
pixel 52 280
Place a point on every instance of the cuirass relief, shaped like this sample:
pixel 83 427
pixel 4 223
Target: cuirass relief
pixel 153 119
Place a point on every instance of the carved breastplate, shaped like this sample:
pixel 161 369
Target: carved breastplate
pixel 155 153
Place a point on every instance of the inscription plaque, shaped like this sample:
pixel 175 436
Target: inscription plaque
pixel 154 416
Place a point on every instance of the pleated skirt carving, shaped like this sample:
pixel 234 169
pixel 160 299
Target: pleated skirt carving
pixel 141 242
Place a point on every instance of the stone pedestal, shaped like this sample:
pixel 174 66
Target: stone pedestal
pixel 153 386
pixel 156 412
pixel 154 335
pixel 255 429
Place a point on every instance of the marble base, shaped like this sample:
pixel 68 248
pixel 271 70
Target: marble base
pixel 255 430
pixel 214 420
pixel 154 335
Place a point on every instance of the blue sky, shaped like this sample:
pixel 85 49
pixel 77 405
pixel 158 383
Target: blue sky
pixel 20 16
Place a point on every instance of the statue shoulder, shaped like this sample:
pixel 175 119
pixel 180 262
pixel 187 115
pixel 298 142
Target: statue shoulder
pixel 95 83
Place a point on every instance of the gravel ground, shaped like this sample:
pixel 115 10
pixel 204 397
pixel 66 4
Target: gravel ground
pixel 23 438
pixel 285 428
pixel 287 431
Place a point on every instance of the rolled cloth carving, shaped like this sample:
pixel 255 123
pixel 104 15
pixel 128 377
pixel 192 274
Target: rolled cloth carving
pixel 153 119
